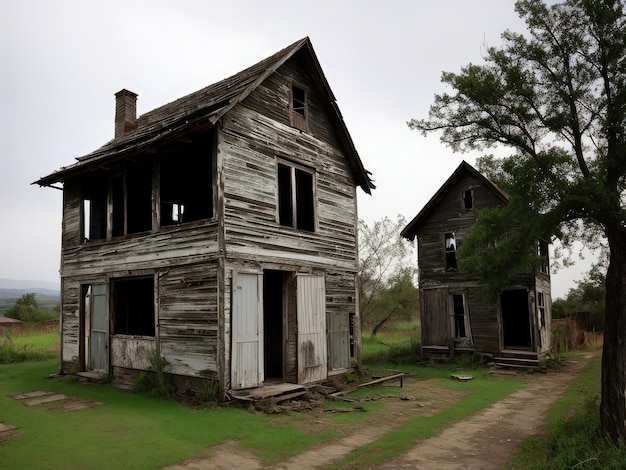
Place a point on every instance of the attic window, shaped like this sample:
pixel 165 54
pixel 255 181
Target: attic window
pixel 450 250
pixel 298 107
pixel 296 198
pixel 468 199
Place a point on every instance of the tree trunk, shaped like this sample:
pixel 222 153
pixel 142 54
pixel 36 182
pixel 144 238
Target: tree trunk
pixel 382 321
pixel 612 405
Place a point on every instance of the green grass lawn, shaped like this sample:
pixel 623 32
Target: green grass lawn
pixel 574 439
pixel 129 430
pixel 135 431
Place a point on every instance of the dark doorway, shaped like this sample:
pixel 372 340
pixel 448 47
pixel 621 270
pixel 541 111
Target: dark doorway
pixel 515 318
pixel 273 319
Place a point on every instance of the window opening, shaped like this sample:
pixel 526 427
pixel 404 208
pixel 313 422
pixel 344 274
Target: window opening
pixel 177 212
pixel 186 183
pixel 95 195
pixel 139 199
pixel 296 201
pixel 541 309
pixel 458 302
pixel 117 209
pixel 468 199
pixel 134 306
pixel 542 251
pixel 450 250
pixel 298 107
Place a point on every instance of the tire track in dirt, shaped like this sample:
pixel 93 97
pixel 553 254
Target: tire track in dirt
pixel 484 441
pixel 488 439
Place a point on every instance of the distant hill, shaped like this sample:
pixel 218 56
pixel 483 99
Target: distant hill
pixel 29 285
pixel 47 294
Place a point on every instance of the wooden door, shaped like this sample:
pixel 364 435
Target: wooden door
pixel 338 340
pixel 99 330
pixel 311 313
pixel 435 317
pixel 247 331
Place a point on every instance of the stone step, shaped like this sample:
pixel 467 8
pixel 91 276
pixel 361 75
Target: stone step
pixel 8 432
pixel 23 396
pixel 47 399
pixel 66 404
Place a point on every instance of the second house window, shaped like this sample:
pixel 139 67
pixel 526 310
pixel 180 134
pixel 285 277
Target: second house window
pixel 296 199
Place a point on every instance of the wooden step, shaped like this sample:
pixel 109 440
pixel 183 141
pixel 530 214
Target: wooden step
pixel 517 362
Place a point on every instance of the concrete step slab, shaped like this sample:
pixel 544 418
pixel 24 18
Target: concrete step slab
pixel 46 399
pixel 23 396
pixel 78 404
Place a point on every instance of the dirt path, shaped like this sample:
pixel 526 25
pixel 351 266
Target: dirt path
pixel 484 441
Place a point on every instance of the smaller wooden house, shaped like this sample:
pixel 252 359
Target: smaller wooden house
pixel 455 315
pixel 218 230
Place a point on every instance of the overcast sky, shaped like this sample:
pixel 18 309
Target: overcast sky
pixel 63 60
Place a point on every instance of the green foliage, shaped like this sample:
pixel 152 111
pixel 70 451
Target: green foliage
pixel 27 310
pixel 588 297
pixel 386 274
pixel 209 392
pixel 140 432
pixel 15 349
pixel 397 342
pixel 157 382
pixel 575 440
pixel 556 97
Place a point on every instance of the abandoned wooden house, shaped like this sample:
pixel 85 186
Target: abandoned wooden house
pixel 219 230
pixel 455 316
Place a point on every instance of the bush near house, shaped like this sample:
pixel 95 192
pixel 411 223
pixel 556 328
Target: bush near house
pixel 27 310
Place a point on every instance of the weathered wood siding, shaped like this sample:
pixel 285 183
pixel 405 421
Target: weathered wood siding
pixel 435 324
pixel 183 259
pixel 192 264
pixel 484 321
pixel 251 142
pixel 188 318
pixel 250 139
pixel 450 216
pixel 436 282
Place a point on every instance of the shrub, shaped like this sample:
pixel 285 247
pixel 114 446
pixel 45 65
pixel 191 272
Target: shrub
pixel 27 310
pixel 157 382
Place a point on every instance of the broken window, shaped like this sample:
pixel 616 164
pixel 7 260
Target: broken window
pixel 131 199
pixel 459 317
pixel 296 199
pixel 541 309
pixel 95 196
pixel 133 306
pixel 450 250
pixel 186 183
pixel 468 199
pixel 298 107
pixel 542 251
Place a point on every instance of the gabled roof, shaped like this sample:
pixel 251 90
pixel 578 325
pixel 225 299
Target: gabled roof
pixel 206 106
pixel 412 228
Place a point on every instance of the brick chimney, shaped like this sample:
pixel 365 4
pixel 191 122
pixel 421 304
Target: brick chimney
pixel 125 112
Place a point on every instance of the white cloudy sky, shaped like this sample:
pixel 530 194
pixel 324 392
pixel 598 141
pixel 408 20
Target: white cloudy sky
pixel 63 60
